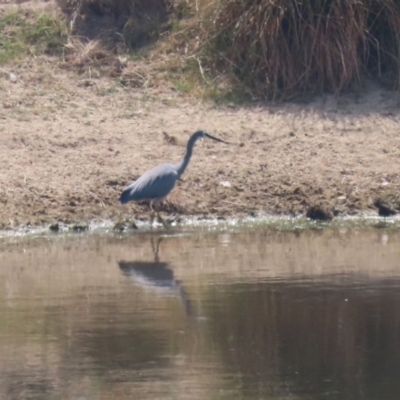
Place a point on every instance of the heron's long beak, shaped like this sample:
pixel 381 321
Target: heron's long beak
pixel 214 138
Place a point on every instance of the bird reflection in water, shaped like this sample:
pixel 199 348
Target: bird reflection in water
pixel 157 276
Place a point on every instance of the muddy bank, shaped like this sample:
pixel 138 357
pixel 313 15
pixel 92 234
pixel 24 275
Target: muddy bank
pixel 71 144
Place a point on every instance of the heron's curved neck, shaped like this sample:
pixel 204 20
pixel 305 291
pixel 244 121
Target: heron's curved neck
pixel 184 163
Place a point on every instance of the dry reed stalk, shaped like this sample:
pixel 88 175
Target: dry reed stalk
pixel 284 47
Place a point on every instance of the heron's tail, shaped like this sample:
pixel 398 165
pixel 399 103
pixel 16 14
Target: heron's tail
pixel 125 196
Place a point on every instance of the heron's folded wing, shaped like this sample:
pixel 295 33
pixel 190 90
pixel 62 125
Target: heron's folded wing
pixel 153 184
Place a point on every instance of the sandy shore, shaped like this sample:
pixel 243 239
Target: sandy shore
pixel 70 144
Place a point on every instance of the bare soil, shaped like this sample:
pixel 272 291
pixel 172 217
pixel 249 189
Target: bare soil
pixel 70 143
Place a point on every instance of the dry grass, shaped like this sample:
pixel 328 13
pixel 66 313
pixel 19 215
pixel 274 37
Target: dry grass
pixel 284 47
pixel 85 55
pixel 135 22
pixel 241 49
pixel 226 49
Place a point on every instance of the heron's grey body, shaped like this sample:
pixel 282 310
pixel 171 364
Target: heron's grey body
pixel 155 184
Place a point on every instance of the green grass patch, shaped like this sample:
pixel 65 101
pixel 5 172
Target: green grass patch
pixel 235 96
pixel 22 34
pixel 183 85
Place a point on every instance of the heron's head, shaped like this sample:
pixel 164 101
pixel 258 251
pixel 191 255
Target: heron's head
pixel 203 134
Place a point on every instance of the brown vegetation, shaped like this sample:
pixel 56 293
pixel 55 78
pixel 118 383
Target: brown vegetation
pixel 82 118
pixel 275 49
pixel 285 47
pixel 135 22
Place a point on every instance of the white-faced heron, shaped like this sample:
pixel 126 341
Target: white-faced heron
pixel 155 184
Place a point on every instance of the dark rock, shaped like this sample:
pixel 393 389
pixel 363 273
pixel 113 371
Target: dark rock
pixel 132 225
pixel 384 209
pixel 317 212
pixel 54 227
pixel 79 228
pixel 119 227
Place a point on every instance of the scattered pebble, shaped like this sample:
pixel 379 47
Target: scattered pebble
pixel 225 184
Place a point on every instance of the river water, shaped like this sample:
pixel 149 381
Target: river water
pixel 252 314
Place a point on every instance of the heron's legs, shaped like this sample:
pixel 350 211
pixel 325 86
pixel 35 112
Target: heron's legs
pixel 152 214
pixel 160 219
pixel 156 212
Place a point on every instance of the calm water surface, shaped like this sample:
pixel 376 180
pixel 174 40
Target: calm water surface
pixel 250 315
